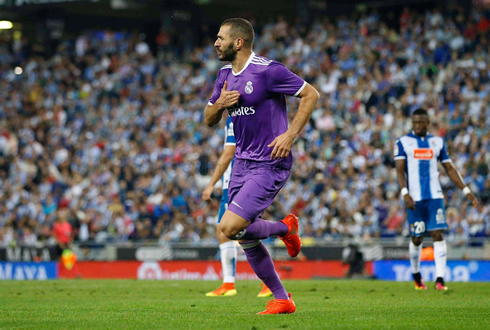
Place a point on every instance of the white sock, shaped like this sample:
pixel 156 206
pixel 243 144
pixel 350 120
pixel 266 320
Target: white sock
pixel 228 253
pixel 414 253
pixel 440 257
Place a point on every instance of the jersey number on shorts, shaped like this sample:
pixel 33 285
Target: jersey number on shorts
pixel 419 227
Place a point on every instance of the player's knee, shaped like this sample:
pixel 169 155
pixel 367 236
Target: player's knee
pixel 220 236
pixel 229 231
pixel 437 235
pixel 417 240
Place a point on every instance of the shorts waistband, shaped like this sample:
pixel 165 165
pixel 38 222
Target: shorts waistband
pixel 242 163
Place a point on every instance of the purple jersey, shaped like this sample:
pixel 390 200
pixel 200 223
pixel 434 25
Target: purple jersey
pixel 260 115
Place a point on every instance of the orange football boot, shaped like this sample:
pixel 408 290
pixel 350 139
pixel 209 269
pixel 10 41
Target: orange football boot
pixel 420 286
pixel 291 239
pixel 440 286
pixel 227 290
pixel 265 292
pixel 279 306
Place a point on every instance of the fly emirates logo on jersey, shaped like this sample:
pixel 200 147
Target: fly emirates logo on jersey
pixel 424 154
pixel 241 111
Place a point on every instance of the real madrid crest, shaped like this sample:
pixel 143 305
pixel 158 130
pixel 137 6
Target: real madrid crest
pixel 249 88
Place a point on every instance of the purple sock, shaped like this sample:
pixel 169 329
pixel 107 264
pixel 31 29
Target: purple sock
pixel 259 258
pixel 262 229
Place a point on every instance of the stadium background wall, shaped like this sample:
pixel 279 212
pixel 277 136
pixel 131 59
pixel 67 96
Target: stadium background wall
pixel 393 270
pixel 111 252
pixel 166 270
pixel 201 270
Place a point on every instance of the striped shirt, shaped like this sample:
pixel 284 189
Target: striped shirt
pixel 422 155
pixel 231 141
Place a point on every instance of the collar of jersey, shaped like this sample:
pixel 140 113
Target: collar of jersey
pixel 412 133
pixel 245 66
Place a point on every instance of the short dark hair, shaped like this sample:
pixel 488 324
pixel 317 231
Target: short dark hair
pixel 420 111
pixel 241 28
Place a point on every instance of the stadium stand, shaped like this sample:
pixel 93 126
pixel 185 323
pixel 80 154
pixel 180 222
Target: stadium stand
pixel 112 130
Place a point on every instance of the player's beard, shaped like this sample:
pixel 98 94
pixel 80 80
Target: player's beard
pixel 228 55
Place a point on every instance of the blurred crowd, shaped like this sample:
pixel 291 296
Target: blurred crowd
pixel 108 134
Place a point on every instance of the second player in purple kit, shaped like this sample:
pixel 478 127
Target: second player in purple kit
pixel 252 89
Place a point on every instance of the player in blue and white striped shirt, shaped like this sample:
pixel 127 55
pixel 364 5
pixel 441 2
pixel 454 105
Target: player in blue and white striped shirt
pixel 416 156
pixel 228 251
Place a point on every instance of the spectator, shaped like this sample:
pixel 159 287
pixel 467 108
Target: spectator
pixel 62 232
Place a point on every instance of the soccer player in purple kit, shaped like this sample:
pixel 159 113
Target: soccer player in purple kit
pixel 252 89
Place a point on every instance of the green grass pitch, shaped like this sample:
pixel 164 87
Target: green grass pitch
pixel 321 304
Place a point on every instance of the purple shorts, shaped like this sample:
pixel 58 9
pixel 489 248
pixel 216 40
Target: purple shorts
pixel 253 187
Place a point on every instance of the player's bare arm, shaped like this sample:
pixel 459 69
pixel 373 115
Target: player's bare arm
pixel 402 182
pixel 454 175
pixel 213 113
pixel 223 162
pixel 284 142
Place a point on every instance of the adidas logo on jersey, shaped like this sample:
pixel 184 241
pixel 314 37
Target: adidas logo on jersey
pixel 423 153
pixel 242 111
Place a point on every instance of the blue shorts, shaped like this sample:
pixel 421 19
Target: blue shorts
pixel 429 215
pixel 224 204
